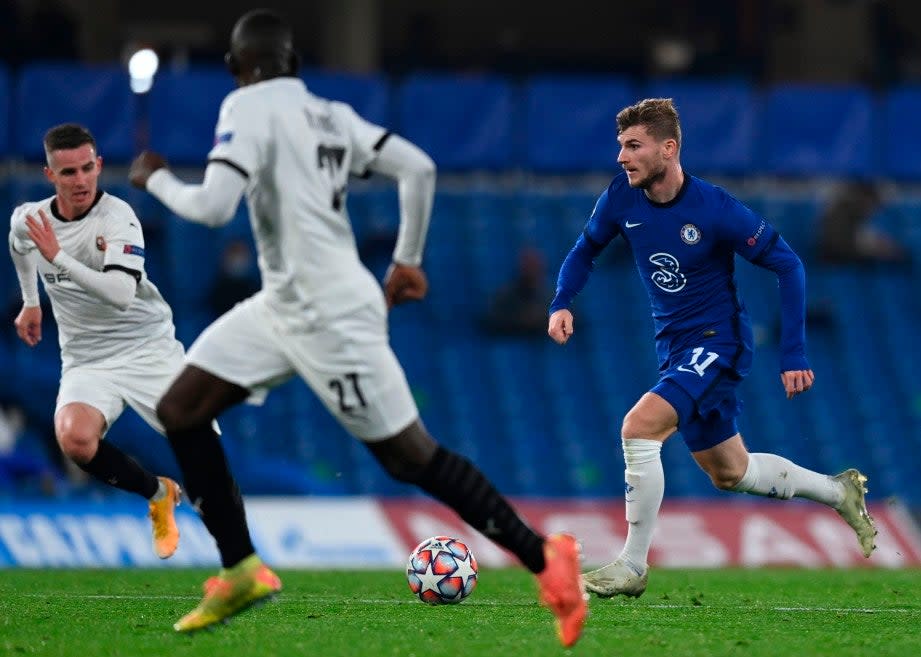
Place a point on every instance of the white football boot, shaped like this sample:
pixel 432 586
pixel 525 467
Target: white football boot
pixel 616 578
pixel 854 508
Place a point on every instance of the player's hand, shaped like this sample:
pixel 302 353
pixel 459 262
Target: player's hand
pixel 143 167
pixel 28 325
pixel 797 381
pixel 560 327
pixel 404 283
pixel 42 234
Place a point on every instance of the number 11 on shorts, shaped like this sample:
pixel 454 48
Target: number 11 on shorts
pixel 696 366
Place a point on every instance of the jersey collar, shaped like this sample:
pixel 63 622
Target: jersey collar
pixel 678 196
pixel 57 215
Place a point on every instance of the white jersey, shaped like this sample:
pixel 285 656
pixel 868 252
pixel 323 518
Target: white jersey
pixel 108 236
pixel 297 151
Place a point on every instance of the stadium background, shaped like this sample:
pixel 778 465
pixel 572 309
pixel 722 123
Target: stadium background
pixel 782 102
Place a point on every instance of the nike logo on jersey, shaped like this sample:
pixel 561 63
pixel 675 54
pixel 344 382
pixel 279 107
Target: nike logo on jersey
pixel 629 225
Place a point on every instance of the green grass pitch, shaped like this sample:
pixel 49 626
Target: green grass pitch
pixel 750 613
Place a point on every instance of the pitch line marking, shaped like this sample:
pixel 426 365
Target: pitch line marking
pixel 490 603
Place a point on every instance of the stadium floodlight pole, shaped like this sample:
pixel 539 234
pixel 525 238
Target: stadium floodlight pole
pixel 142 67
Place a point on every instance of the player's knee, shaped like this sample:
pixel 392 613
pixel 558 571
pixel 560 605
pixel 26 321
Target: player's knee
pixel 406 455
pixel 640 425
pixel 726 478
pixel 77 442
pixel 172 414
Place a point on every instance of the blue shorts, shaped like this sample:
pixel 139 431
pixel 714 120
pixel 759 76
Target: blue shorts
pixel 701 385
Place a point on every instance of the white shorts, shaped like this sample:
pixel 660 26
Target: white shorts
pixel 138 382
pixel 347 362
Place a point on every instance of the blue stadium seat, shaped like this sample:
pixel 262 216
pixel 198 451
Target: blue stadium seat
pixel 448 258
pixel 819 131
pixel 902 135
pixel 184 106
pixel 9 285
pixel 98 97
pixel 539 419
pixel 184 111
pixel 720 119
pixel 369 95
pixel 26 188
pixel 6 101
pixel 570 122
pixel 464 123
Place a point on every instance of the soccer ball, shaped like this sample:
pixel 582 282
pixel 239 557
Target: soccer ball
pixel 441 571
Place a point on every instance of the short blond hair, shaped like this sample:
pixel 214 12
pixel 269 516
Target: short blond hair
pixel 658 115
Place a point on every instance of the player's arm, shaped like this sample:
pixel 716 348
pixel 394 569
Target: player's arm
pixel 20 247
pixel 578 266
pixel 796 374
pixel 114 287
pixel 376 150
pixel 212 203
pixel 28 322
pixel 414 172
pixel 757 241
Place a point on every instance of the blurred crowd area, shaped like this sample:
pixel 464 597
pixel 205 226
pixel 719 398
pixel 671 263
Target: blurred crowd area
pixel 541 420
pixel 487 380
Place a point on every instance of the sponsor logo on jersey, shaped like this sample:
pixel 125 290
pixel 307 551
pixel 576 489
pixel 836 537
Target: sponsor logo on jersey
pixel 668 276
pixel 100 243
pixel 223 138
pixel 690 234
pixel 131 249
pixel 754 238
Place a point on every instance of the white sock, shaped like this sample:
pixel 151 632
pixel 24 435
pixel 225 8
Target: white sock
pixel 161 491
pixel 645 486
pixel 774 476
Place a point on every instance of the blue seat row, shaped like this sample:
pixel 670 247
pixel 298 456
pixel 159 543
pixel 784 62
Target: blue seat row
pixel 550 124
pixel 545 420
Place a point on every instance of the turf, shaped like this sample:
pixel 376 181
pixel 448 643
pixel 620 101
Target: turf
pixel 750 613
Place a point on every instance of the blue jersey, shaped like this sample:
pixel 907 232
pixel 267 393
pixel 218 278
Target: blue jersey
pixel 685 255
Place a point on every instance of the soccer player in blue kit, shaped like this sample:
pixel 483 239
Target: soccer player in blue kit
pixel 684 234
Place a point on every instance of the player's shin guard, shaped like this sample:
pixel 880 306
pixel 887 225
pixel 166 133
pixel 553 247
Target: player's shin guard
pixel 114 467
pixel 213 490
pixel 644 488
pixel 454 480
pixel 774 476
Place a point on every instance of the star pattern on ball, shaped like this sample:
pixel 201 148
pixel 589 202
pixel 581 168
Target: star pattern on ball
pixel 464 570
pixel 429 580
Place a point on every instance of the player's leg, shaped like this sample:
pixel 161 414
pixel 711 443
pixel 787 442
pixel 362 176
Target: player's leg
pixel 651 421
pixel 89 401
pixel 413 456
pixel 187 412
pixel 232 356
pixel 731 467
pixel 79 428
pixel 141 382
pixel 352 369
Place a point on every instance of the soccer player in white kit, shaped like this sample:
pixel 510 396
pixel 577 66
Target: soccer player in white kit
pixel 115 330
pixel 320 315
